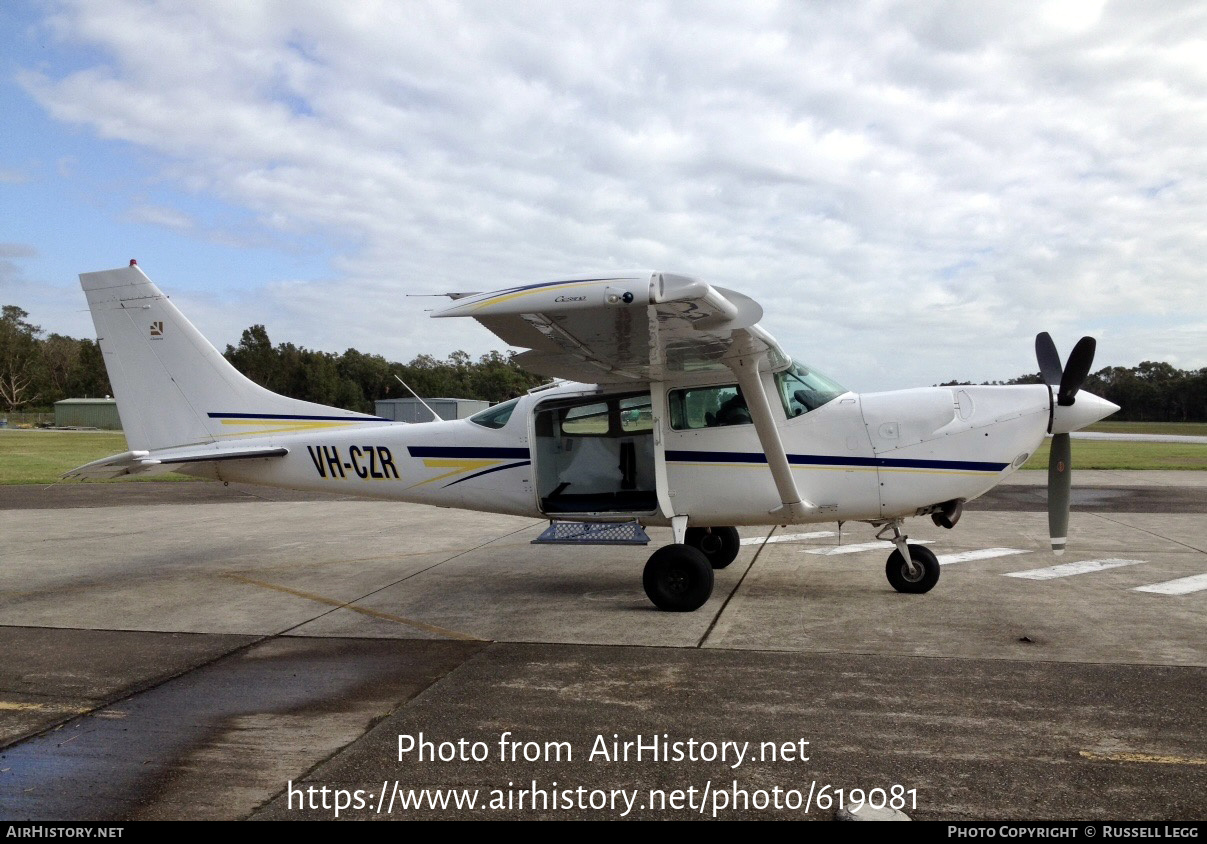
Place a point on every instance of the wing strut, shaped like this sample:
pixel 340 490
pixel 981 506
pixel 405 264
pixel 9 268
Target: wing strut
pixel 745 366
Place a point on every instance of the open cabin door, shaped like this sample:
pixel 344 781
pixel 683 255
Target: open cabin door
pixel 595 454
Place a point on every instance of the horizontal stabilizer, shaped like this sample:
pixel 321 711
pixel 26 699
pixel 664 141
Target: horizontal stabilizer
pixel 164 461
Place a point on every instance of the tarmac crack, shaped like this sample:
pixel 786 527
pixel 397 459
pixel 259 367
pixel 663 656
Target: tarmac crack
pixel 370 594
pixel 737 586
pixel 1151 533
pixel 334 602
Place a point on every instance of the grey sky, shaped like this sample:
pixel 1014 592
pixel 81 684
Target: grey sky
pixel 911 190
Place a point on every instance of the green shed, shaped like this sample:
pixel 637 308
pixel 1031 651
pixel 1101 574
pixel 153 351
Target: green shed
pixel 87 413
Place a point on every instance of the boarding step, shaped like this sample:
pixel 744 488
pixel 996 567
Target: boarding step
pixel 593 533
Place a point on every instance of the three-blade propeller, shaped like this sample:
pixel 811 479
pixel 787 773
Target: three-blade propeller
pixel 1064 382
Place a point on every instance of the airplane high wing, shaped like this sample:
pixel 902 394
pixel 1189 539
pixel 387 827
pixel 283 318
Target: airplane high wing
pixel 637 327
pixel 654 328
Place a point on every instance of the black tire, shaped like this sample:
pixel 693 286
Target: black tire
pixel 719 545
pixel 898 572
pixel 678 578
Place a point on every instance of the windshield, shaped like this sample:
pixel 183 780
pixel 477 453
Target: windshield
pixel 495 417
pixel 803 389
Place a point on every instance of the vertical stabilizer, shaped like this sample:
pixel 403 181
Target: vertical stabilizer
pixel 172 386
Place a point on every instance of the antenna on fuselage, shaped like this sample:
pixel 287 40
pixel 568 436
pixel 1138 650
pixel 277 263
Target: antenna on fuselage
pixel 435 416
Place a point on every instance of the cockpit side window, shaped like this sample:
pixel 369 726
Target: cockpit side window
pixel 803 389
pixel 708 407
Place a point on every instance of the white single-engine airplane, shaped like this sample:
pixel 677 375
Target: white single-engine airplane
pixel 680 411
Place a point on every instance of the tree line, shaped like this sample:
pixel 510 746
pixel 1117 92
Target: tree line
pixel 37 369
pixel 355 380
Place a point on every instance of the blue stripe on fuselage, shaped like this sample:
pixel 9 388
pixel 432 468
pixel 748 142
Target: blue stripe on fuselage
pixel 300 418
pixel 831 460
pixel 468 452
pixel 488 471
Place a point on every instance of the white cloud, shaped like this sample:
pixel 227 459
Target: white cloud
pixel 13 177
pixel 10 271
pixel 17 250
pixel 912 190
pixel 158 215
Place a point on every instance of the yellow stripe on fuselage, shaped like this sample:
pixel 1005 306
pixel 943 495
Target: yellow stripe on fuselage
pixel 976 472
pixel 457 465
pixel 284 426
pixel 835 468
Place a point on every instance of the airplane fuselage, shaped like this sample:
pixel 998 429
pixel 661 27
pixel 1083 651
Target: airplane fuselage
pixel 866 457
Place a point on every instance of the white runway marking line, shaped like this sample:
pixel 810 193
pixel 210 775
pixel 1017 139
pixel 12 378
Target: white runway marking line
pixel 1181 586
pixel 1070 569
pixel 983 554
pixel 788 537
pixel 862 546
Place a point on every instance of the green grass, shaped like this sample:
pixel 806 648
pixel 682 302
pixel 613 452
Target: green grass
pixel 1089 454
pixel 41 457
pixel 1095 454
pixel 1181 429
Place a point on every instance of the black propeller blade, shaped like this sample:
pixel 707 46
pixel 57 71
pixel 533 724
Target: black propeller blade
pixel 1048 357
pixel 1076 370
pixel 1064 382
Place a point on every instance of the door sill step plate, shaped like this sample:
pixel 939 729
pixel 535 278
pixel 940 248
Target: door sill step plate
pixel 593 533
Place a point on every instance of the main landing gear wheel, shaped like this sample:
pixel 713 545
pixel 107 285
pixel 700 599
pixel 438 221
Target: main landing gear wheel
pixel 924 577
pixel 719 545
pixel 678 578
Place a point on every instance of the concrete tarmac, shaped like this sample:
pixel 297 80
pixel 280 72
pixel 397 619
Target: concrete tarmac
pixel 189 650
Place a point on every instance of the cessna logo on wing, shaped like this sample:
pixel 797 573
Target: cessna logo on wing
pixel 157 328
pixel 570 299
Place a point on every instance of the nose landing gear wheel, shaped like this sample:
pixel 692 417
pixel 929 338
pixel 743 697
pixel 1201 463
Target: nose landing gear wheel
pixel 720 545
pixel 923 579
pixel 678 578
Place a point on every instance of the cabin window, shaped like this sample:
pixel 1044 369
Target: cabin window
pixel 497 416
pixel 636 415
pixel 586 420
pixel 708 407
pixel 803 389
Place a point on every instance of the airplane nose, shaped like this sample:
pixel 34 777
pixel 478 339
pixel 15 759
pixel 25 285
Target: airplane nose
pixel 1086 409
